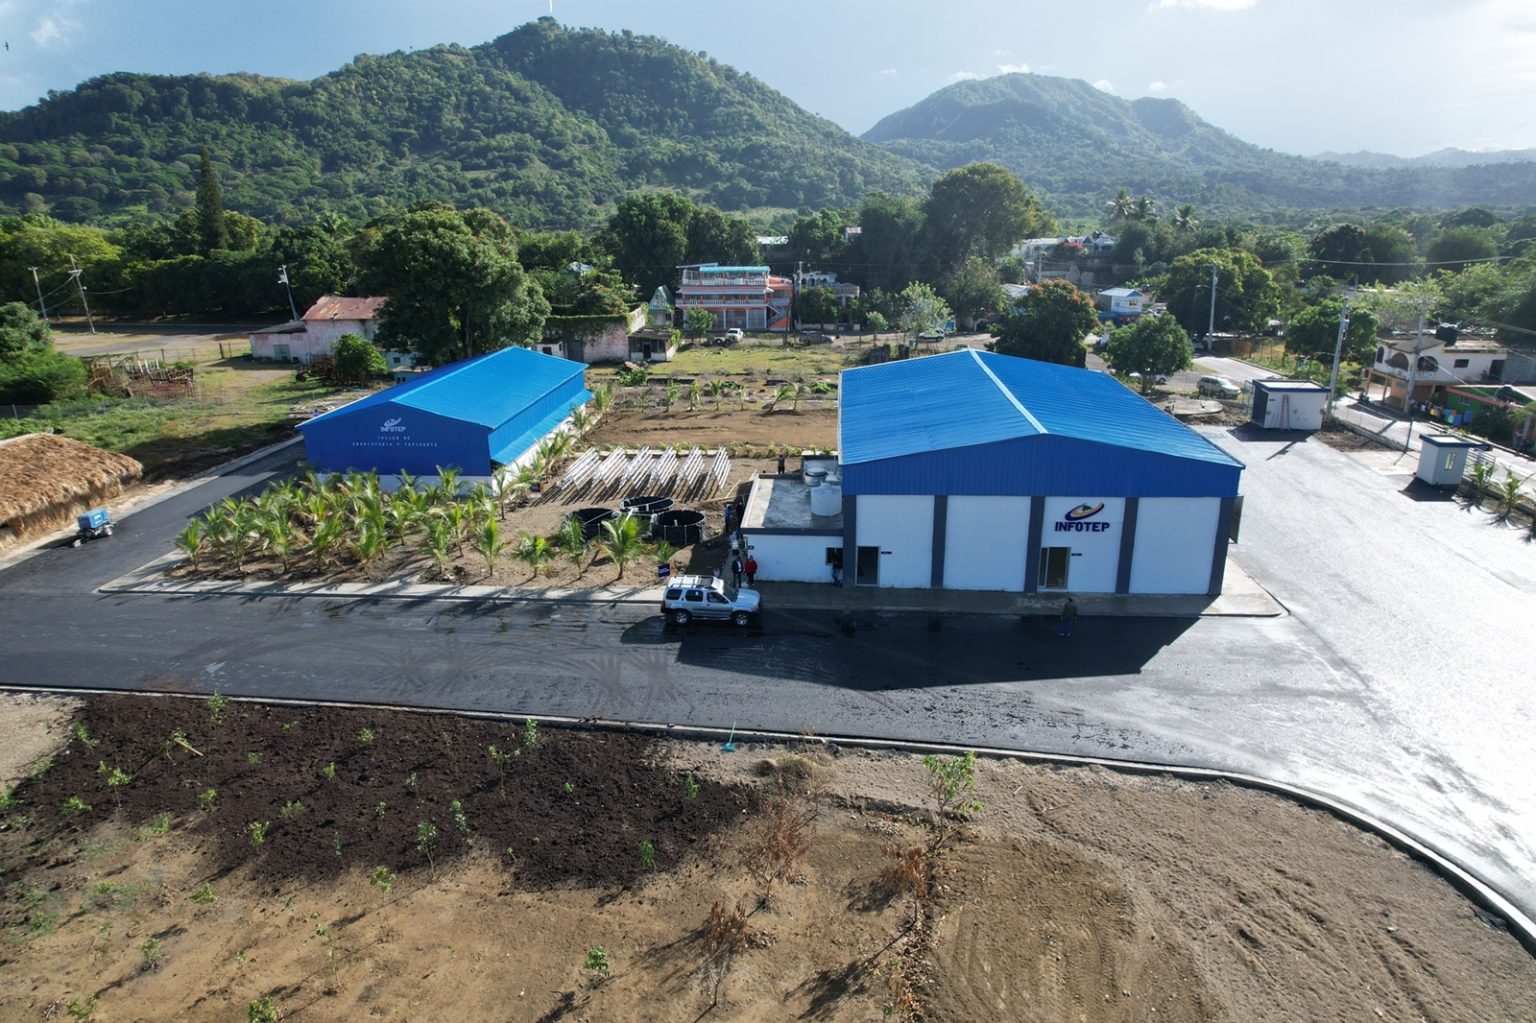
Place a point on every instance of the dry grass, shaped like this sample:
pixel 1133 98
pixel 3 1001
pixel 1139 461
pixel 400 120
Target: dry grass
pixel 41 473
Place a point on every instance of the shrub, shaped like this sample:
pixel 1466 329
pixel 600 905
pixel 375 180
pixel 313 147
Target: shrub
pixel 36 378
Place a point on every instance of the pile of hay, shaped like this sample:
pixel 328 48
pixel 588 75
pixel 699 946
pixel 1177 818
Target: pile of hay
pixel 47 480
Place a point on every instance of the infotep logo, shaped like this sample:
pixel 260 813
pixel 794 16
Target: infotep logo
pixel 392 426
pixel 1072 521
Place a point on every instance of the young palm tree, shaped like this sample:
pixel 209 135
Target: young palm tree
pixel 438 543
pixel 602 397
pixel 673 392
pixel 327 538
pixel 278 537
pixel 621 541
pixel 1509 495
pixel 534 551
pixel 192 539
pixel 573 543
pixel 716 391
pixel 489 543
pixel 694 390
pixel 370 538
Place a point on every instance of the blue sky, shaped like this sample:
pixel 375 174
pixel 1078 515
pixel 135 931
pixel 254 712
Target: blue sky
pixel 1300 76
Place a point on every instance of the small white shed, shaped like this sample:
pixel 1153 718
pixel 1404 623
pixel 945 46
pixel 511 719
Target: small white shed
pixel 1289 404
pixel 1443 459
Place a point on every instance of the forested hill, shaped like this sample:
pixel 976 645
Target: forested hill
pixel 547 125
pixel 1075 144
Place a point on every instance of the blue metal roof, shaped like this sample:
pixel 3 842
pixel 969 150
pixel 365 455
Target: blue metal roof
pixel 488 390
pixel 970 398
pixel 732 269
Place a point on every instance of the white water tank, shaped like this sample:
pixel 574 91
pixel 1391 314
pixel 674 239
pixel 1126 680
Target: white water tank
pixel 827 496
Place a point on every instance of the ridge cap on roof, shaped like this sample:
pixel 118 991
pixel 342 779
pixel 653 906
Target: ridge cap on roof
pixel 1007 392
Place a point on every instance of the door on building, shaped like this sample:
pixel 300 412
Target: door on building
pixel 1054 562
pixel 868 566
pixel 576 351
pixel 280 353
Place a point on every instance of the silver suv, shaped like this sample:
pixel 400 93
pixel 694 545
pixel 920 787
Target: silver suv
pixel 709 598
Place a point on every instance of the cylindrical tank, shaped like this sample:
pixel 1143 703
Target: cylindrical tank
pixel 592 520
pixel 644 507
pixel 679 528
pixel 827 499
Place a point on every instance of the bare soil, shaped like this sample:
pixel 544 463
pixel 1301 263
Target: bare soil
pixel 812 425
pixel 1073 894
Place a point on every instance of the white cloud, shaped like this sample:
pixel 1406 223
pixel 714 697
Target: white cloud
pixel 964 76
pixel 57 29
pixel 1204 5
pixel 1002 53
pixel 1157 88
pixel 887 71
pixel 1104 85
pixel 1013 69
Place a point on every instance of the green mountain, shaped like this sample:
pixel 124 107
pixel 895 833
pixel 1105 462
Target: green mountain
pixel 548 125
pixel 1076 145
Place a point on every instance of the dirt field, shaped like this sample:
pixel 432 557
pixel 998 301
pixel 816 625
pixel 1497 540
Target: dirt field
pixel 812 425
pixel 1071 895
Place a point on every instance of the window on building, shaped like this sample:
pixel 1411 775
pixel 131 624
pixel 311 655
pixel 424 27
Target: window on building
pixel 1460 364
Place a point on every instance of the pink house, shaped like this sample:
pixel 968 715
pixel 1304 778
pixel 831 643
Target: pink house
pixel 316 332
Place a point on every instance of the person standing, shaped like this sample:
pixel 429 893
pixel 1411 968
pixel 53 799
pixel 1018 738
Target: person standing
pixel 736 568
pixel 750 567
pixel 1068 616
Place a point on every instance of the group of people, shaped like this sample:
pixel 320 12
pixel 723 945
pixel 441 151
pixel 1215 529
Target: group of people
pixel 743 567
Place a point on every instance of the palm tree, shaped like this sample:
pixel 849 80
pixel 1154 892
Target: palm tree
pixel 621 541
pixel 191 539
pixel 672 394
pixel 1121 206
pixel 694 390
pixel 573 543
pixel 716 390
pixel 327 537
pixel 1509 495
pixel 278 536
pixel 489 543
pixel 438 543
pixel 1145 208
pixel 1184 219
pixel 534 551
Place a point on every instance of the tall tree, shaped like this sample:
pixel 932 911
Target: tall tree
pixel 1312 333
pixel 922 310
pixel 1151 346
pixel 647 236
pixel 981 209
pixel 974 290
pixel 1050 325
pixel 1246 296
pixel 454 284
pixel 1456 248
pixel 889 251
pixel 211 232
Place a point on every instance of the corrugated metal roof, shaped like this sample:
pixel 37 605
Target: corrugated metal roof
pixel 732 269
pixel 1289 385
pixel 969 397
pixel 488 390
pixel 342 307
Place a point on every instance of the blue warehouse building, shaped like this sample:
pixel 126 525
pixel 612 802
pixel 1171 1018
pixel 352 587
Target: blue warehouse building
pixel 472 415
pixel 973 470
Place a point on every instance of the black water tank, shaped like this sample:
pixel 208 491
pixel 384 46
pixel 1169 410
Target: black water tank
pixel 679 528
pixel 645 507
pixel 592 520
pixel 1446 332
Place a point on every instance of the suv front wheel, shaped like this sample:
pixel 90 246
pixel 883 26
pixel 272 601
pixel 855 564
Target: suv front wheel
pixel 742 619
pixel 681 617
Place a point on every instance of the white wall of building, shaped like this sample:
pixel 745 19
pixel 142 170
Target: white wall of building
pixel 1175 538
pixel 1093 537
pixel 801 559
pixel 901 525
pixel 1295 410
pixel 986 543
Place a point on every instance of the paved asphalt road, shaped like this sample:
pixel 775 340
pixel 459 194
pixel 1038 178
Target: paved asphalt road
pixel 1399 684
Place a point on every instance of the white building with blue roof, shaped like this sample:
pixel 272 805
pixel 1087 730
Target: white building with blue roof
pixel 977 471
pixel 472 415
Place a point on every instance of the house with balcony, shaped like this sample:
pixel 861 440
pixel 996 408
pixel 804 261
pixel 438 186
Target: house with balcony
pixel 747 298
pixel 845 293
pixel 1442 363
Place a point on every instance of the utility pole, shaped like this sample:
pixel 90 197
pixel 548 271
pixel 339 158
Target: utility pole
pixel 75 272
pixel 1210 327
pixel 41 307
pixel 282 278
pixel 1338 349
pixel 1413 369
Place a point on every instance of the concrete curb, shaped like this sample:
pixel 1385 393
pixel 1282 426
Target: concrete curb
pixel 1522 927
